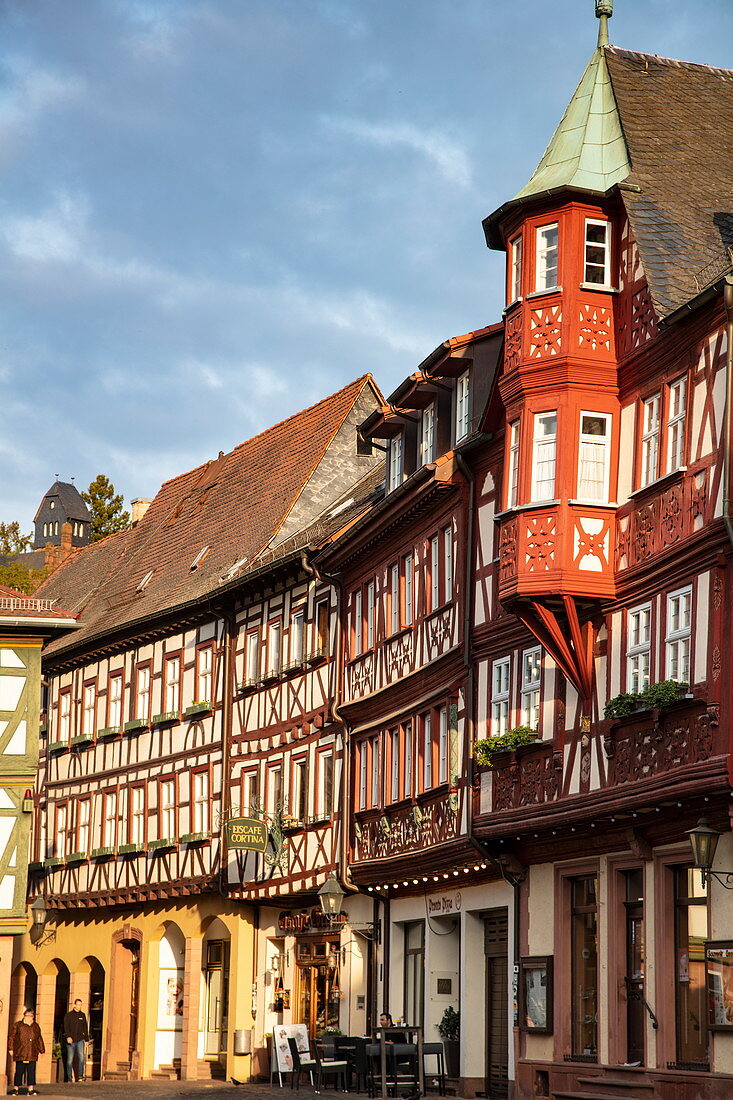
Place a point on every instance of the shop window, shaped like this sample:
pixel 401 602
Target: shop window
pixel 500 682
pixel 679 606
pixel 543 456
pixel 547 257
pixel 639 643
pixel 594 456
pixel 691 931
pixel 598 252
pixel 584 963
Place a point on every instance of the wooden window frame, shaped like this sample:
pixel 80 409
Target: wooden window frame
pixel 370 615
pixel 532 686
pixel 252 675
pixel 539 286
pixel 168 660
pixel 427 751
pixel 246 806
pixel 324 805
pixel 200 695
pixel 442 714
pixel 61 807
pixel 143 666
pixel 270 770
pixel 85 800
pixel 535 962
pixel 374 780
pixel 462 413
pixel 274 662
pixel 607 246
pixel 297 616
pixel 163 780
pixel 673 638
pixel 427 434
pixel 408 589
pixel 395 617
pixel 132 817
pixel 357 623
pixel 607 442
pixel 195 772
pixel 537 440
pixel 515 265
pixel 322 629
pixel 363 775
pixel 396 462
pixel 116 677
pixel 639 648
pixel 435 586
pixel 110 794
pixel 500 698
pixel 671 421
pixel 648 476
pixel 86 686
pixel 65 718
pixel 299 776
pixel 395 769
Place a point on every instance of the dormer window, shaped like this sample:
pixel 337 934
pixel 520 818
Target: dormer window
pixel 515 289
pixel 395 462
pixel 597 252
pixel 463 398
pixel 145 581
pixel 427 435
pixel 547 256
pixel 199 558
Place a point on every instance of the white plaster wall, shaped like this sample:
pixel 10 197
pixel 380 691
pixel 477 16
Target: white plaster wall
pixel 702 627
pixel 540 938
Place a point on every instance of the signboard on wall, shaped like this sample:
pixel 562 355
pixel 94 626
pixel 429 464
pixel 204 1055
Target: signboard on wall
pixel 246 833
pixel 444 905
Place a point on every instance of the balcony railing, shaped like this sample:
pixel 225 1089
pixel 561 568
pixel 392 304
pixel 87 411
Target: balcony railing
pixel 379 834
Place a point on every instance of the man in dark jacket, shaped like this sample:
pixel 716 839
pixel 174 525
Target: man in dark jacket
pixel 76 1033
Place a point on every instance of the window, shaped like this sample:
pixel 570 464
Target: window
pixel 64 715
pixel 172 684
pixel 447 565
pixel 299 806
pixel 414 986
pixel 322 627
pixel 370 615
pixel 516 271
pixel 530 694
pixel 427 751
pixel 167 825
pixel 357 624
pixel 274 789
pixel 61 824
pixel 543 456
pixel 463 401
pixel 145 581
pixel 204 671
pixel 691 931
pixel 676 425
pixel 395 764
pixel 114 717
pixel 251 793
pixel 89 724
pixel 395 462
pixel 408 567
pixel 274 647
pixel 395 599
pixel 407 792
pixel 143 693
pixel 650 440
pixel 598 252
pixel 199 558
pixel 594 456
pixel 442 744
pixel 375 770
pixel 512 495
pixel 297 629
pixel 137 815
pixel 500 678
pixel 427 434
pixel 638 650
pixel 201 802
pixel 325 784
pixel 584 963
pixel 110 819
pixel 679 606
pixel 82 825
pixel 434 573
pixel 547 240
pixel 253 657
pixel 363 772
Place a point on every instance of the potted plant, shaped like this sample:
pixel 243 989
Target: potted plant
pixel 655 697
pixel 449 1030
pixel 486 748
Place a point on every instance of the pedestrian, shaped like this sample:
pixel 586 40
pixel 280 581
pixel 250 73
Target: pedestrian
pixel 76 1033
pixel 25 1044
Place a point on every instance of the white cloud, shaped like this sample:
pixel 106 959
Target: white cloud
pixel 52 236
pixel 447 155
pixel 31 92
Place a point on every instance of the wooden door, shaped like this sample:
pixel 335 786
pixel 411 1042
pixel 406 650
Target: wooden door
pixel 496 923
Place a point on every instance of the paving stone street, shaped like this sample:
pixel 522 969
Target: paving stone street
pixel 168 1090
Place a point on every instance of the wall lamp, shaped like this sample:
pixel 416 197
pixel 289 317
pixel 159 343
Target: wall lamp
pixel 704 841
pixel 39 916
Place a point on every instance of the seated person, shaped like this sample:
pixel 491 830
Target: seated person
pixel 391 1034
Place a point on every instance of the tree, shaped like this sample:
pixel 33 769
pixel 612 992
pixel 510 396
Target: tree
pixel 11 539
pixel 106 506
pixel 22 579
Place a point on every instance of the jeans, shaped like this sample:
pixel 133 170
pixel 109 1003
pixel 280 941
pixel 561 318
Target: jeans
pixel 25 1074
pixel 78 1050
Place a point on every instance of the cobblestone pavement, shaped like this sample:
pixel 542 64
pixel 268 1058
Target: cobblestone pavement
pixel 170 1090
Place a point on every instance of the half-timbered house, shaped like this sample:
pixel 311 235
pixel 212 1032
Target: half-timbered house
pixel 197 687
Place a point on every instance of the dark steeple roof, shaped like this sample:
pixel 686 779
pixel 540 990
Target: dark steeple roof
pixel 70 502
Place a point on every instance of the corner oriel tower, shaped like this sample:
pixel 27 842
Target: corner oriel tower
pixel 560 380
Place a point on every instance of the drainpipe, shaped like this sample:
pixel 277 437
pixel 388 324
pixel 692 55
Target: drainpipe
pixel 728 422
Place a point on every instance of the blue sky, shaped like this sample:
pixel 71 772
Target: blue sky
pixel 214 212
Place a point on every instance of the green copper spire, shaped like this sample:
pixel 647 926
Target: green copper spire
pixel 588 149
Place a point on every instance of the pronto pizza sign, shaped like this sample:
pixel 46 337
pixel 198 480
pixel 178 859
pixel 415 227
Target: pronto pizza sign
pixel 246 833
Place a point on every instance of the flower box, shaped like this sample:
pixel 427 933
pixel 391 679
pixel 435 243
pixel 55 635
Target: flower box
pixel 81 741
pixel 108 733
pixel 57 747
pixel 204 707
pixel 195 838
pixel 36 866
pixel 102 853
pixel 76 857
pixel 247 686
pixel 54 861
pixel 43 728
pixel 272 676
pixel 163 845
pixel 135 725
pixel 317 657
pixel 166 718
pixel 130 849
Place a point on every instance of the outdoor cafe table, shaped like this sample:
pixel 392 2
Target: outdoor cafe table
pixel 413 1035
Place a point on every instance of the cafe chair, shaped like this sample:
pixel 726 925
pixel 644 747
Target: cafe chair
pixel 338 1068
pixel 434 1050
pixel 302 1063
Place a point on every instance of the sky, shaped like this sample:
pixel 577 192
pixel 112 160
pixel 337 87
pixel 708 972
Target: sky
pixel 215 212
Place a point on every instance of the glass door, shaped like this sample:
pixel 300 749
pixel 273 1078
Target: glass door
pixel 635 967
pixel 318 985
pixel 217 996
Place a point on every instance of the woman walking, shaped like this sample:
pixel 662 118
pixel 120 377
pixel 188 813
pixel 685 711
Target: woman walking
pixel 26 1043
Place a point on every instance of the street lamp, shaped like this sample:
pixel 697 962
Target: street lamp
pixel 39 916
pixel 704 841
pixel 330 896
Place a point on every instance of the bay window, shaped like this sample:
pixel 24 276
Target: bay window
pixel 515 292
pixel 544 456
pixel 547 257
pixel 597 252
pixel 677 397
pixel 594 456
pixel 638 651
pixel 500 680
pixel 530 690
pixel 650 440
pixel 679 608
pixel 513 475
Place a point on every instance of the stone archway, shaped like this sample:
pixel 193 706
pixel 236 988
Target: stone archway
pixel 54 986
pixel 169 1023
pixel 88 984
pixel 121 1057
pixel 23 994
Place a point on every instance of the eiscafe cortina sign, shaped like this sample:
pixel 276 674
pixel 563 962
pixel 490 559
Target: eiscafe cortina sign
pixel 246 833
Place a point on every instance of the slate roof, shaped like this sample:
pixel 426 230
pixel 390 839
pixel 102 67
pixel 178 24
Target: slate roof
pixel 677 118
pixel 29 559
pixel 70 500
pixel 234 504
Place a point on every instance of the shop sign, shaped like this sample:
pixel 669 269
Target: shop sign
pixel 246 833
pixel 310 920
pixel 444 905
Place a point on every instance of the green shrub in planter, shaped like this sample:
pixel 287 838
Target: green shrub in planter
pixel 622 705
pixel 655 697
pixel 486 748
pixel 449 1027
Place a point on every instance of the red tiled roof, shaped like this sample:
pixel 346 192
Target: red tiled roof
pixel 18 605
pixel 234 504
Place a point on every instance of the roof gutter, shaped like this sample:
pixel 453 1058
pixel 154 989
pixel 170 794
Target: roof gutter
pixel 728 420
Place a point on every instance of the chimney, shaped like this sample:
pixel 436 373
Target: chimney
pixel 66 547
pixel 139 508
